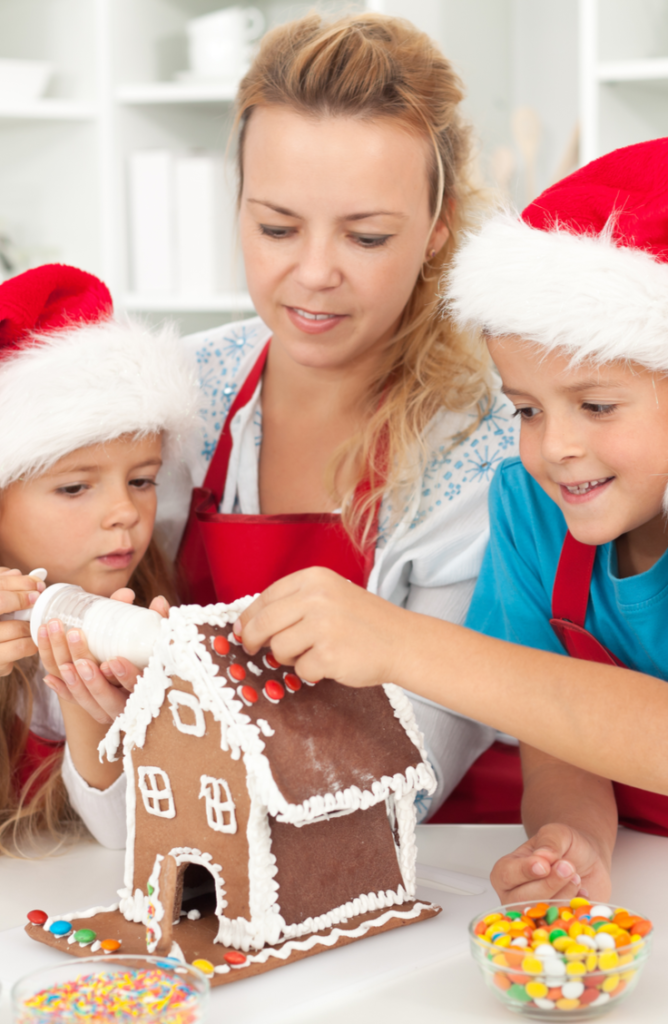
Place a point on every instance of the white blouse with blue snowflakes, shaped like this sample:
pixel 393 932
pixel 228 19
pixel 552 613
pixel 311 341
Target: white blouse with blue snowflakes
pixel 438 538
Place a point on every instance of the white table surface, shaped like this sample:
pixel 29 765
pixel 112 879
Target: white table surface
pixel 398 988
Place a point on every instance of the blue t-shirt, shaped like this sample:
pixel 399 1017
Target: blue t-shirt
pixel 513 596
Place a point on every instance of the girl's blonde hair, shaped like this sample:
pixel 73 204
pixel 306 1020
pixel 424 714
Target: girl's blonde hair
pixel 373 66
pixel 41 805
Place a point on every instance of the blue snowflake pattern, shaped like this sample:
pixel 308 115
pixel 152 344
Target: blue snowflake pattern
pixel 483 465
pixel 237 341
pixel 257 427
pixel 498 417
pixel 422 803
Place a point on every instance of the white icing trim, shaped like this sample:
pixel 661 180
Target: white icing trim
pixel 191 855
pixel 154 909
pixel 340 915
pixel 152 794
pixel 252 667
pixel 406 819
pixel 189 700
pixel 96 945
pixel 216 809
pixel 78 914
pixel 264 727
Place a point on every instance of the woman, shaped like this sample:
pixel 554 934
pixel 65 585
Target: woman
pixel 349 425
pixel 359 431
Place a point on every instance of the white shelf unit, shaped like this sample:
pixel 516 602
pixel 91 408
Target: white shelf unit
pixel 623 73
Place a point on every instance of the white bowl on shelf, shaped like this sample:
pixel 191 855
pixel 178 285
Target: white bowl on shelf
pixel 23 81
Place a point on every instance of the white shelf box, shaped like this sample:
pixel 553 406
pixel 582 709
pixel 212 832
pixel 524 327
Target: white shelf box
pixel 647 70
pixel 224 302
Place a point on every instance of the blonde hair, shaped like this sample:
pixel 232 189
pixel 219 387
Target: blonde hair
pixel 374 66
pixel 41 804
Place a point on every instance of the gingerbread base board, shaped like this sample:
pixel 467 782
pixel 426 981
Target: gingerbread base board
pixel 195 938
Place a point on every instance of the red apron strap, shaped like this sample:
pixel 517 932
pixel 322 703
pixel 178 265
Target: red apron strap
pixel 570 594
pixel 216 475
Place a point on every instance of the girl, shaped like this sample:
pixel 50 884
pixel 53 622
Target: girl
pixel 348 425
pixel 573 300
pixel 84 420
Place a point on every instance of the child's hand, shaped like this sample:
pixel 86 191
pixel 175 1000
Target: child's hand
pixel 558 862
pixel 324 626
pixel 17 593
pixel 74 674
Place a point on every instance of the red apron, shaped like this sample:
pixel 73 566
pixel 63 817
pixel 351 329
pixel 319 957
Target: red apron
pixel 223 557
pixel 37 751
pixel 638 809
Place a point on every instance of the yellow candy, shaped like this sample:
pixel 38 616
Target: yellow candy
pixel 588 930
pixel 536 989
pixel 576 967
pixel 566 915
pixel 562 943
pixel 567 1004
pixel 517 928
pixel 491 917
pixel 575 929
pixel 591 961
pixel 483 938
pixel 628 975
pixel 500 960
pixel 636 938
pixel 576 951
pixel 611 928
pixel 610 984
pixel 579 901
pixel 608 959
pixel 531 965
pixel 204 965
pixel 628 958
pixel 540 935
pixel 504 940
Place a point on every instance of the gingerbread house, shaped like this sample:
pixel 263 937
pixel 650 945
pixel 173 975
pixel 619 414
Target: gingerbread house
pixel 268 817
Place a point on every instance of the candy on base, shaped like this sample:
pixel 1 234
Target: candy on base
pixel 240 778
pixel 578 959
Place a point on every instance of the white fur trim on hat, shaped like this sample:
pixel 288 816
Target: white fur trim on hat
pixel 582 293
pixel 92 383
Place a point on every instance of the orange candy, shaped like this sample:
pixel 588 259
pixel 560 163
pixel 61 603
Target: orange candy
pixel 519 979
pixel 641 927
pixel 540 910
pixel 617 991
pixel 579 912
pixel 514 957
pixel 502 981
pixel 589 996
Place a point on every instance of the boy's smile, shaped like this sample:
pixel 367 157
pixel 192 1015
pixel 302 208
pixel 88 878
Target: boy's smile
pixel 595 437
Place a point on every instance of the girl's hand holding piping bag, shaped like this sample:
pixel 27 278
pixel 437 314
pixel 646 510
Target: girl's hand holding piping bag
pixel 76 677
pixel 17 593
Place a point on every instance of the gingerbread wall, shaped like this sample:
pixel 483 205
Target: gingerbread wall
pixel 186 758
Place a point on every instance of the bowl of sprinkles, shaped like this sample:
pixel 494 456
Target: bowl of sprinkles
pixel 99 990
pixel 574 957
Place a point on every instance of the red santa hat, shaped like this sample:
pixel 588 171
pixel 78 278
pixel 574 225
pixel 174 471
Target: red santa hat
pixel 584 269
pixel 72 375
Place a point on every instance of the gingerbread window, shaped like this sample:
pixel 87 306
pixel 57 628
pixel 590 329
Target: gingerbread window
pixel 156 792
pixel 219 804
pixel 186 712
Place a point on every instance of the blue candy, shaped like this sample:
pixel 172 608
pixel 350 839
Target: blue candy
pixel 60 928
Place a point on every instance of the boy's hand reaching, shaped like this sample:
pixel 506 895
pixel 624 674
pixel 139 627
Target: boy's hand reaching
pixel 558 862
pixel 76 677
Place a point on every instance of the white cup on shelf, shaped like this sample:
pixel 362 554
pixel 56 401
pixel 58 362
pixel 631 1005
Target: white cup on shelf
pixel 23 81
pixel 220 44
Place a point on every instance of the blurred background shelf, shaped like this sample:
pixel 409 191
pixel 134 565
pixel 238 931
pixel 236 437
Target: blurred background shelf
pixel 225 302
pixel 47 110
pixel 549 84
pixel 147 93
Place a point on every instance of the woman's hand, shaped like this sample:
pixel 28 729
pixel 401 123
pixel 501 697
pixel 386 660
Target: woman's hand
pixel 17 593
pixel 326 627
pixel 558 862
pixel 76 677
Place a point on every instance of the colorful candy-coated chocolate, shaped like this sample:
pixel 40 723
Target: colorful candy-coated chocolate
pixel 38 917
pixel 563 958
pixel 234 958
pixel 205 966
pixel 110 945
pixel 60 928
pixel 221 645
pixel 85 936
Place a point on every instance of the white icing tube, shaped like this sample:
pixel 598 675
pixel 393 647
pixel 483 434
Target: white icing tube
pixel 113 629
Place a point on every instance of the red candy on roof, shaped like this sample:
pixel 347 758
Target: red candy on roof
pixel 37 917
pixel 273 690
pixel 221 645
pixel 237 673
pixel 270 661
pixel 248 694
pixel 292 682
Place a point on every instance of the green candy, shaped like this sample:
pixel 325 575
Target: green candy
pixel 519 993
pixel 552 915
pixel 513 915
pixel 556 933
pixel 85 935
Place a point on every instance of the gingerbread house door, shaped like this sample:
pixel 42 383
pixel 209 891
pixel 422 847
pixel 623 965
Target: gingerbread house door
pixel 185 886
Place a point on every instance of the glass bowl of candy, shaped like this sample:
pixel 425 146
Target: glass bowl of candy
pixel 137 989
pixel 572 956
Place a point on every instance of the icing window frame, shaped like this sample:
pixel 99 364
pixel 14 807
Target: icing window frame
pixel 152 795
pixel 178 698
pixel 212 789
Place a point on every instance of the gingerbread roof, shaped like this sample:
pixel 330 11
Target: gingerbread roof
pixel 309 750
